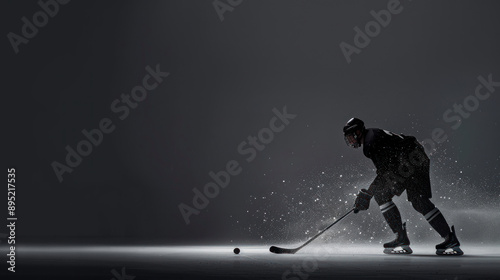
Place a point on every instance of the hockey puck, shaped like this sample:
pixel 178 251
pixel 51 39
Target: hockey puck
pixel 236 251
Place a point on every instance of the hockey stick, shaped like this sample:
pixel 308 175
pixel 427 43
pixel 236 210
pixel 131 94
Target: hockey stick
pixel 278 250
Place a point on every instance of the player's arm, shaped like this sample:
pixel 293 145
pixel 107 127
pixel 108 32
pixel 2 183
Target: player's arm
pixel 373 151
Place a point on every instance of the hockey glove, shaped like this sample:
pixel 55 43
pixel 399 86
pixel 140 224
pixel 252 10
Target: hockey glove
pixel 363 200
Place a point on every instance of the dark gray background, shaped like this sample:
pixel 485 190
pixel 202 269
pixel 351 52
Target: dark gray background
pixel 226 77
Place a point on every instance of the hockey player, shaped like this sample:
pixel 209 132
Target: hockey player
pixel 401 165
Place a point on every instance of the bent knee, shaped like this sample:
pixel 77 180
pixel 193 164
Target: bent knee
pixel 422 205
pixel 382 197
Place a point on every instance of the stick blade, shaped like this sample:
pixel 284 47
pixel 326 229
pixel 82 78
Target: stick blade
pixel 278 250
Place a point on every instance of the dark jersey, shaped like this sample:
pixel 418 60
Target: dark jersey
pixel 401 163
pixel 386 149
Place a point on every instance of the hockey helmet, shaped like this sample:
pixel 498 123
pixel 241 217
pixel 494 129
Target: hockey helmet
pixel 353 132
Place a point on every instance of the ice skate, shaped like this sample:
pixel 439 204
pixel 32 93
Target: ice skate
pixel 450 246
pixel 400 245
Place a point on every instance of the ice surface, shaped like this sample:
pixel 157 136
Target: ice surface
pixel 321 261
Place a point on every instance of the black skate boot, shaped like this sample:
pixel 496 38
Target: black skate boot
pixel 450 246
pixel 400 245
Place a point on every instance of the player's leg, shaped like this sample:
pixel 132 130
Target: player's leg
pixel 419 193
pixel 435 218
pixel 432 214
pixel 383 196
